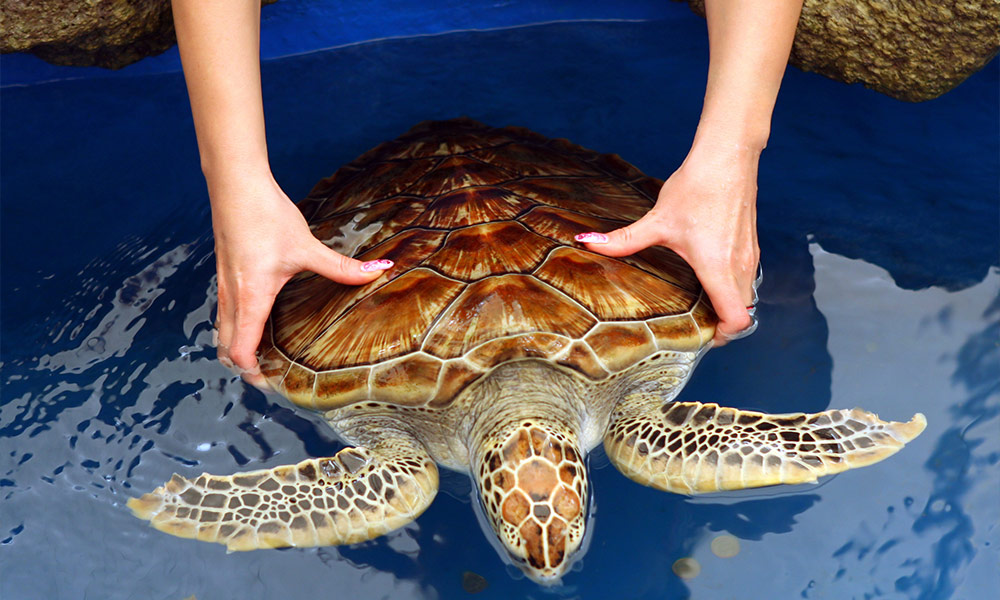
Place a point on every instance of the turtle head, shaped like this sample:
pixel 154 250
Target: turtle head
pixel 533 487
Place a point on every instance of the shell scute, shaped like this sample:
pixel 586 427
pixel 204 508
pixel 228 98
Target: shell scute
pixel 562 225
pixel 272 363
pixel 667 265
pixel 503 306
pixel 458 172
pixel 677 332
pixel 409 381
pixel 303 311
pixel 308 206
pixel 649 187
pixel 567 147
pixel 341 387
pixel 325 189
pixel 457 375
pixel 615 165
pixel 531 345
pixel 353 231
pixel 611 289
pixel 374 183
pixel 298 383
pixel 472 206
pixel 704 315
pixel 600 197
pixel 384 151
pixel 532 161
pixel 475 252
pixel 621 345
pixel 441 146
pixel 383 325
pixel 406 250
pixel 582 358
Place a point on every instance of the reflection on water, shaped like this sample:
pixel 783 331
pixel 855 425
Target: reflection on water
pixel 958 393
pixel 110 382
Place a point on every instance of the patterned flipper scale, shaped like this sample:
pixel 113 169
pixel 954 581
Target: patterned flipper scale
pixel 355 496
pixel 689 447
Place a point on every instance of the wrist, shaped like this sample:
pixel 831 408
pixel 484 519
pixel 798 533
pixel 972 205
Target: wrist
pixel 743 137
pixel 238 187
pixel 725 150
pixel 230 171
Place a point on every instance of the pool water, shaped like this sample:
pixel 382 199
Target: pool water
pixel 879 233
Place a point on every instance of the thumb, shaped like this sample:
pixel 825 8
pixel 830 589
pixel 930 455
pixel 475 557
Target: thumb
pixel 621 242
pixel 342 269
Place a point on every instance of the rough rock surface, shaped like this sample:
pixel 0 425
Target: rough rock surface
pixel 912 50
pixel 103 33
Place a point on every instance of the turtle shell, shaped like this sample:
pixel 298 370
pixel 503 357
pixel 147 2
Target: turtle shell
pixel 480 224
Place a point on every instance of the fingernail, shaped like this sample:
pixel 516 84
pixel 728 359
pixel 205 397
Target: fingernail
pixel 376 265
pixel 591 237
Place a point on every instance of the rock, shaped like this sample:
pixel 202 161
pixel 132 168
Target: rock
pixel 474 583
pixel 103 33
pixel 914 50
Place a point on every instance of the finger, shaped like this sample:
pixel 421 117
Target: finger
pixel 251 315
pixel 621 242
pixel 225 320
pixel 730 305
pixel 342 269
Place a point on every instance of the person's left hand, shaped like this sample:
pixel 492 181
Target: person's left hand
pixel 706 212
pixel 261 241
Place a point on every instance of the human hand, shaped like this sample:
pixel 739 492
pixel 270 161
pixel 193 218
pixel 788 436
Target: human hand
pixel 706 212
pixel 261 241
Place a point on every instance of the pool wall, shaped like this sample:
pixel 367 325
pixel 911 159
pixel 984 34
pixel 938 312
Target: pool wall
pixel 291 27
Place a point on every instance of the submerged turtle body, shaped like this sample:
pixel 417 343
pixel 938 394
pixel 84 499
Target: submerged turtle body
pixel 496 345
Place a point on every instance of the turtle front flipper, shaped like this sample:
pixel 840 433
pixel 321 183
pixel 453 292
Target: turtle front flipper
pixel 689 447
pixel 357 495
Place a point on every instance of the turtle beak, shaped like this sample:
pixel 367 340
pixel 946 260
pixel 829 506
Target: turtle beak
pixel 533 486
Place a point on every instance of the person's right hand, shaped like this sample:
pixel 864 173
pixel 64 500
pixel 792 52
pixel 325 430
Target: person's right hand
pixel 261 241
pixel 706 213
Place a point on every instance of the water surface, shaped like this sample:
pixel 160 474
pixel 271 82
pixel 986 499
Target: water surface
pixel 879 231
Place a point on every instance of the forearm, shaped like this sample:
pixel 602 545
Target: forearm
pixel 749 43
pixel 219 43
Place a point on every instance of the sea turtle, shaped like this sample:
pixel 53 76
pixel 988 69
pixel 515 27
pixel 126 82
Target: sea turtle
pixel 498 346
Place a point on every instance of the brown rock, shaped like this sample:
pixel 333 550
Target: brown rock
pixel 914 50
pixel 103 33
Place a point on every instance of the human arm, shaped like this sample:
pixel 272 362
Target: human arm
pixel 706 211
pixel 261 239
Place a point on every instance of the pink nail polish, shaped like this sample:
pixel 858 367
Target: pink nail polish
pixel 376 265
pixel 592 237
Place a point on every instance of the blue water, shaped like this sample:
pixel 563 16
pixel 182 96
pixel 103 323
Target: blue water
pixel 879 232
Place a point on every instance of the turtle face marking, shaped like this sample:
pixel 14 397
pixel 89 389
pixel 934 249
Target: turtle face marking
pixel 533 486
